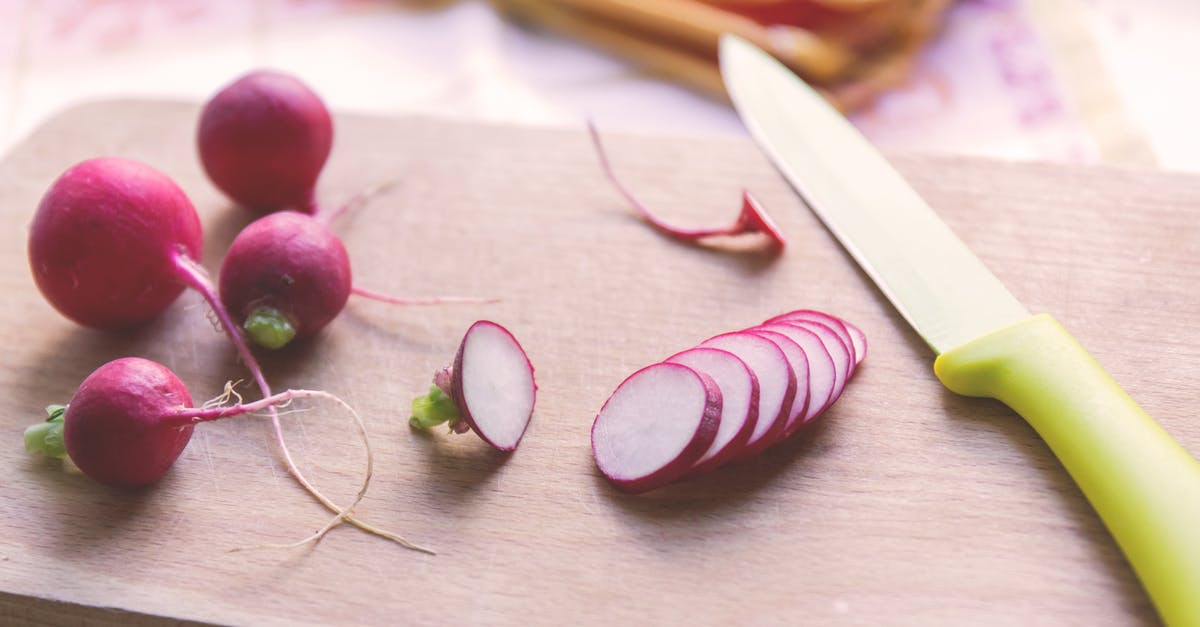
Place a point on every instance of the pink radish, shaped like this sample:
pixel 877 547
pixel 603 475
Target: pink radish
pixel 655 426
pixel 798 361
pixel 739 402
pixel 490 389
pixel 776 385
pixel 843 361
pixel 263 141
pixel 114 242
pixel 286 276
pixel 752 218
pixel 858 340
pixel 131 418
pixel 822 373
pixel 107 240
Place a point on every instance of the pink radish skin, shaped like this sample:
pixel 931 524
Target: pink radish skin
pixel 655 426
pixel 798 361
pixel 493 384
pixel 752 218
pixel 822 373
pixel 264 139
pixel 776 385
pixel 739 402
pixel 105 239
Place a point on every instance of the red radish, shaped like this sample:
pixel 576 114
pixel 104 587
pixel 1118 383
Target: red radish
pixel 798 361
pixel 752 218
pixel 131 418
pixel 739 402
pixel 858 340
pixel 263 141
pixel 106 239
pixel 821 369
pixel 843 360
pixel 655 426
pixel 776 385
pixel 114 242
pixel 490 389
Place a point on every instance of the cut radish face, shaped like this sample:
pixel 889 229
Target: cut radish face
pixel 493 384
pixel 858 340
pixel 655 426
pixel 798 360
pixel 739 402
pixel 822 375
pixel 776 385
pixel 842 359
pixel 837 325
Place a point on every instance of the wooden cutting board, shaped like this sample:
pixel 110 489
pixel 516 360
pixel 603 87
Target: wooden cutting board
pixel 907 505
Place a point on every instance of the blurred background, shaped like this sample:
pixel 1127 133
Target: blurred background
pixel 1060 80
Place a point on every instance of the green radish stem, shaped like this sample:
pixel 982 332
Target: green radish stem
pixel 195 277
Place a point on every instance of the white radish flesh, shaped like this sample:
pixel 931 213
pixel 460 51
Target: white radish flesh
pixel 843 361
pixel 798 361
pixel 858 340
pixel 776 385
pixel 655 426
pixel 822 376
pixel 739 402
pixel 493 384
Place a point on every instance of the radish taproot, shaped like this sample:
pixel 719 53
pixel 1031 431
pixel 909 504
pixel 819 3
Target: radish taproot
pixel 287 275
pixel 798 379
pixel 263 141
pixel 489 389
pixel 655 427
pixel 114 242
pixel 752 219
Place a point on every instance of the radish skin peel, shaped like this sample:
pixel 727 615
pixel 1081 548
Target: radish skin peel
pixel 751 219
pixel 489 389
pixel 655 426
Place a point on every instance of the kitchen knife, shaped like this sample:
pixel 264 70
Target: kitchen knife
pixel 1143 484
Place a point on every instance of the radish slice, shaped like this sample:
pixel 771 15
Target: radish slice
pixel 493 384
pixel 798 360
pixel 776 385
pixel 838 326
pixel 822 374
pixel 842 359
pixel 739 402
pixel 858 340
pixel 655 426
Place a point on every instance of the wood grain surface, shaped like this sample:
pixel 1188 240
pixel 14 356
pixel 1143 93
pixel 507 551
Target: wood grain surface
pixel 906 505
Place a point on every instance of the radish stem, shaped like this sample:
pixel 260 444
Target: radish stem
pixel 269 328
pixel 422 300
pixel 46 437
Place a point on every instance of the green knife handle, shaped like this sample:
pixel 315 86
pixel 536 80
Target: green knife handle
pixel 1144 485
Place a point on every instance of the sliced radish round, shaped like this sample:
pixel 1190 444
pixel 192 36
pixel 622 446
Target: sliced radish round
pixel 798 360
pixel 858 340
pixel 822 376
pixel 493 384
pixel 842 359
pixel 739 402
pixel 655 426
pixel 776 385
pixel 837 325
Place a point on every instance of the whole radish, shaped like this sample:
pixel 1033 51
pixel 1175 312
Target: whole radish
pixel 263 141
pixel 131 418
pixel 114 242
pixel 108 241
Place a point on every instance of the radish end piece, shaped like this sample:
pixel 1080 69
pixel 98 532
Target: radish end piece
pixel 755 219
pixel 46 437
pixel 433 409
pixel 493 385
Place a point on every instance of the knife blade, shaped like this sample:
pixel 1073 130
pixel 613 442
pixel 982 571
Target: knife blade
pixel 1141 482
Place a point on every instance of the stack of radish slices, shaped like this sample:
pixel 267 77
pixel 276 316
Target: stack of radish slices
pixel 726 400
